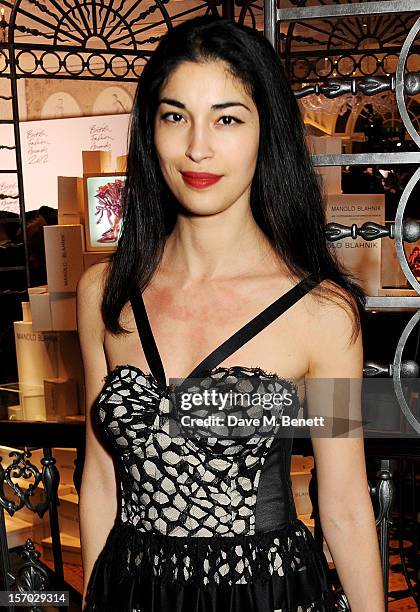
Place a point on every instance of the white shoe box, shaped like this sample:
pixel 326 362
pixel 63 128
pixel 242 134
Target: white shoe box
pixel 69 514
pixel 48 355
pixel 64 246
pixel 63 311
pixel 17 530
pixel 52 311
pixel 121 163
pixel 33 404
pixel 70 199
pixel 70 549
pixel 97 162
pixel 40 308
pixel 361 257
pixel 36 352
pixel 64 460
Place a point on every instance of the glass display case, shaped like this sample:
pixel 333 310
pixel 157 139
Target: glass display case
pixel 21 401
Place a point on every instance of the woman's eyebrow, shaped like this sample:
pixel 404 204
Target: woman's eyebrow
pixel 220 106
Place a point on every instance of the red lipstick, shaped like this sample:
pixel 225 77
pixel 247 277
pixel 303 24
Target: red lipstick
pixel 200 180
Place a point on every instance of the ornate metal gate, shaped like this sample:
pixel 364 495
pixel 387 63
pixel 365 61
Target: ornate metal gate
pixel 329 21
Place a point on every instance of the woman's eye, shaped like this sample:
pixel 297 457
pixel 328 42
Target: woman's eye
pixel 235 120
pixel 166 115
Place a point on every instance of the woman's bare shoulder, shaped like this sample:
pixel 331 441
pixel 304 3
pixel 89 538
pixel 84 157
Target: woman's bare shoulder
pixel 90 289
pixel 91 283
pixel 328 296
pixel 331 311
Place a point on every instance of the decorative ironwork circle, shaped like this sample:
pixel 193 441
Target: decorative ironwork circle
pixel 77 59
pixel 399 215
pixel 399 83
pixel 396 375
pixel 4 61
pixel 48 55
pixel 389 63
pixel 138 65
pixel 325 68
pixel 413 62
pixel 322 67
pixel 365 59
pixel 23 55
pixel 355 35
pixel 301 68
pixel 93 68
pixel 346 65
pixel 119 66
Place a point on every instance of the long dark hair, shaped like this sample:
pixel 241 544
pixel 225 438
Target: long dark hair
pixel 286 198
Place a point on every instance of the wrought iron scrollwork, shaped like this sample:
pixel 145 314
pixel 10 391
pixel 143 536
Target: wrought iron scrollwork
pixel 372 231
pixel 31 576
pixel 120 37
pixel 384 492
pixel 368 231
pixel 22 467
pixel 369 86
pixel 337 46
pixel 408 368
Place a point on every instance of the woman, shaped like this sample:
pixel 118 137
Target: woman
pixel 222 262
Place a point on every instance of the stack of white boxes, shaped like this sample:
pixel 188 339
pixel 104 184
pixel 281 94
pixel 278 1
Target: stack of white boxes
pixel 54 305
pixel 50 367
pixel 48 351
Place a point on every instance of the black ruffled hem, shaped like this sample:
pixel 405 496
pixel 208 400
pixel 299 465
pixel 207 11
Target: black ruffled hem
pixel 153 586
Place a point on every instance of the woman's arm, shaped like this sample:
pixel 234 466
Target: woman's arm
pixel 333 387
pixel 98 499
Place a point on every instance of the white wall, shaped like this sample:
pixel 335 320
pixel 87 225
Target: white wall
pixel 54 148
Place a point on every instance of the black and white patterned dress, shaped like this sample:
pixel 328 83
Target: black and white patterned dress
pixel 205 523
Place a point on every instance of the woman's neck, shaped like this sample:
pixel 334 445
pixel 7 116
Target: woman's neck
pixel 207 248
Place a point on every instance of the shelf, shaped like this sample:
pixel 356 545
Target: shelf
pixel 389 303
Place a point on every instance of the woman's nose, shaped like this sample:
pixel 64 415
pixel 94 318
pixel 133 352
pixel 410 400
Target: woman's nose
pixel 199 145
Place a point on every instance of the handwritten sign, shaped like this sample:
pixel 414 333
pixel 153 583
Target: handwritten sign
pixel 101 137
pixel 37 146
pixel 9 195
pixel 53 147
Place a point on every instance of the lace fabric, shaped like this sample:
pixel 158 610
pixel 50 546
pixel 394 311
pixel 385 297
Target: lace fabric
pixel 180 486
pixel 216 560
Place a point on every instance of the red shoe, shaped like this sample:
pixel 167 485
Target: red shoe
pixel 110 235
pixel 106 239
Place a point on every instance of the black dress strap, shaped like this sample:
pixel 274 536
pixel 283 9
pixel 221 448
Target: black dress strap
pixel 147 338
pixel 232 344
pixel 257 324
